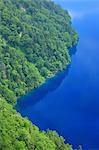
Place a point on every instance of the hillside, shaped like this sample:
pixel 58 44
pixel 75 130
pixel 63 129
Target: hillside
pixel 17 133
pixel 35 40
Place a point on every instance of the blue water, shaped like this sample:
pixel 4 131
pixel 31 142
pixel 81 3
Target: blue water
pixel 69 102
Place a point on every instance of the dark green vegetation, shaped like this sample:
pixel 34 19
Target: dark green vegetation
pixel 35 39
pixel 17 133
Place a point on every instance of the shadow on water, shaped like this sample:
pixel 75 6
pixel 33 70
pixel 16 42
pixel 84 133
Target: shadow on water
pixel 39 93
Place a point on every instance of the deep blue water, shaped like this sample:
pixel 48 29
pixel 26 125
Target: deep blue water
pixel 69 102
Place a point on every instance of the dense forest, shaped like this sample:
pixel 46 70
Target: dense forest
pixel 35 39
pixel 17 133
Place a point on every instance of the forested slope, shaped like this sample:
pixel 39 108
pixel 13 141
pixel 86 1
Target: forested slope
pixel 17 133
pixel 35 39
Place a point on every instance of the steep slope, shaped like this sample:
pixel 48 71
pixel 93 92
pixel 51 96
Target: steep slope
pixel 17 133
pixel 35 38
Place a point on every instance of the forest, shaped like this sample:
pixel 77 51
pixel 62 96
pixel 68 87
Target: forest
pixel 17 133
pixel 35 41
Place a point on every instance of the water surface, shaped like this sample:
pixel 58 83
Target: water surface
pixel 69 102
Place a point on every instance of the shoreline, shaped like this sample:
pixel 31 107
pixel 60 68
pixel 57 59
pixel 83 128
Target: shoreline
pixel 72 51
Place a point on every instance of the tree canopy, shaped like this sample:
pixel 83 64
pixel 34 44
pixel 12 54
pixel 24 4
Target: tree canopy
pixel 35 40
pixel 17 133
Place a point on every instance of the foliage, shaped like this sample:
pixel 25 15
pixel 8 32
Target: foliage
pixel 17 133
pixel 35 38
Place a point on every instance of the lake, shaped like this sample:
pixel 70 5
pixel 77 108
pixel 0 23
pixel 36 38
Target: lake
pixel 69 102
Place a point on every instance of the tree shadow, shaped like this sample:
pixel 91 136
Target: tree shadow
pixel 51 85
